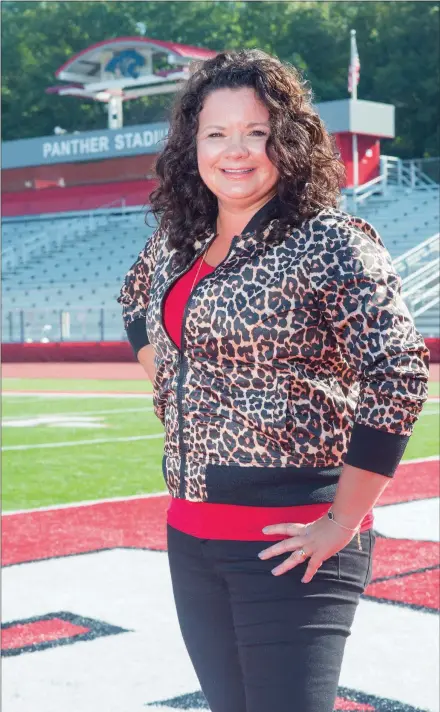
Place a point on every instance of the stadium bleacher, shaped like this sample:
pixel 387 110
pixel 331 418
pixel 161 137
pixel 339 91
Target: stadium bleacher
pixel 80 275
pixel 404 219
pixel 408 221
pixel 62 273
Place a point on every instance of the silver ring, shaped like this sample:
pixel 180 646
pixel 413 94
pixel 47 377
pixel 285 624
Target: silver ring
pixel 302 553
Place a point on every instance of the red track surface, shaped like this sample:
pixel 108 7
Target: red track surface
pixel 410 568
pixel 105 371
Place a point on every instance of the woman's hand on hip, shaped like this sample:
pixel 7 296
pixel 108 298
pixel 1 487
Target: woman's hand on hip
pixel 319 540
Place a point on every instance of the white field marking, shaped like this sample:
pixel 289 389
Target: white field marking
pixel 72 443
pixel 132 588
pixel 86 413
pixel 54 421
pixel 417 520
pixel 91 503
pixel 417 460
pixel 86 503
pixel 74 394
pixel 111 393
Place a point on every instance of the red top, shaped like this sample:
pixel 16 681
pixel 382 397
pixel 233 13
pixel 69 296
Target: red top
pixel 227 521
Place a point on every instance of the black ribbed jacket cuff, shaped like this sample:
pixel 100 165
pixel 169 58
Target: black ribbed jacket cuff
pixel 375 450
pixel 137 334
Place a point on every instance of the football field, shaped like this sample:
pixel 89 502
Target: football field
pixel 88 616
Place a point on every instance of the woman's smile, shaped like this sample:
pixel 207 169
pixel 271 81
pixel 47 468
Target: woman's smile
pixel 237 173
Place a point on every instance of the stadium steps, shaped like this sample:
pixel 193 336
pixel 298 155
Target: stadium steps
pixel 85 276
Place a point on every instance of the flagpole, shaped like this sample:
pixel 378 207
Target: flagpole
pixel 354 138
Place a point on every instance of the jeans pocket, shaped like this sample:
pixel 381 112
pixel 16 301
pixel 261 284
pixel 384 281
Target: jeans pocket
pixel 369 574
pixel 355 565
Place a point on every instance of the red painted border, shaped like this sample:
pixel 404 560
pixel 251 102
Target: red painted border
pixel 74 352
pixel 104 351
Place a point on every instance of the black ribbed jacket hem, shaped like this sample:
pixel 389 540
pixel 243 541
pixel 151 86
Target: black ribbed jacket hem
pixel 375 450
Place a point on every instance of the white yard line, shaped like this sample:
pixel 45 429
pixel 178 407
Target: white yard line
pixel 74 394
pixel 105 394
pixel 72 443
pixel 85 413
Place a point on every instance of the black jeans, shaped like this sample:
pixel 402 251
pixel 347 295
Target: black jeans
pixel 259 642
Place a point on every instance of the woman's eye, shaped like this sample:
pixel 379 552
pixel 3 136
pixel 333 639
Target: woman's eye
pixel 255 131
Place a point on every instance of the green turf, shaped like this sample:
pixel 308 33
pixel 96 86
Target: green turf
pixel 88 472
pixel 434 388
pixel 46 476
pixel 19 406
pixel 425 441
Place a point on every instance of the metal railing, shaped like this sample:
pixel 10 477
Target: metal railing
pixel 420 284
pixel 409 173
pixel 427 250
pixel 60 325
pixel 420 291
pixel 421 174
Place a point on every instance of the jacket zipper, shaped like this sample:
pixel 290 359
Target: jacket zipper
pixel 182 371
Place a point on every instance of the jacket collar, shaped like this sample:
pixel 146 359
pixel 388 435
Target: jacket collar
pixel 269 211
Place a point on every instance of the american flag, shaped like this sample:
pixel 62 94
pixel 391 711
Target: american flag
pixel 355 64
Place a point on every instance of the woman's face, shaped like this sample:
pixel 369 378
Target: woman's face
pixel 231 147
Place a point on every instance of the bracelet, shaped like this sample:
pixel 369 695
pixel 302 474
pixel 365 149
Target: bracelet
pixel 331 516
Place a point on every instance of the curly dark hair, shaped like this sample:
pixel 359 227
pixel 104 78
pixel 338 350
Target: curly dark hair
pixel 311 172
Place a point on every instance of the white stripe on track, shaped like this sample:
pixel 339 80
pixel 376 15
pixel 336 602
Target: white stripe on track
pixel 86 503
pixel 417 460
pixel 72 443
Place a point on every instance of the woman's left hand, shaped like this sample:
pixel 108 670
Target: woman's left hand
pixel 320 540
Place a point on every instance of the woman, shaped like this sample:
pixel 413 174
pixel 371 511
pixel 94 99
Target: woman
pixel 288 375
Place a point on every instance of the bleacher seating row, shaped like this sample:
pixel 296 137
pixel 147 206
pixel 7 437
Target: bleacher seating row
pixel 69 287
pixel 403 219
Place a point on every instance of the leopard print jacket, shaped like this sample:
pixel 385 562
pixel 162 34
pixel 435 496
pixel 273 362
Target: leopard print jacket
pixel 296 358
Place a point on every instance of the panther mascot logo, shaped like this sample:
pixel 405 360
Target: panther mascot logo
pixel 126 63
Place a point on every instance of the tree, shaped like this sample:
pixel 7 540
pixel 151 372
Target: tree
pixel 398 44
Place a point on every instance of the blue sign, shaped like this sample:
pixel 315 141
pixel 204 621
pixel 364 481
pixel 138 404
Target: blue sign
pixel 84 146
pixel 127 63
